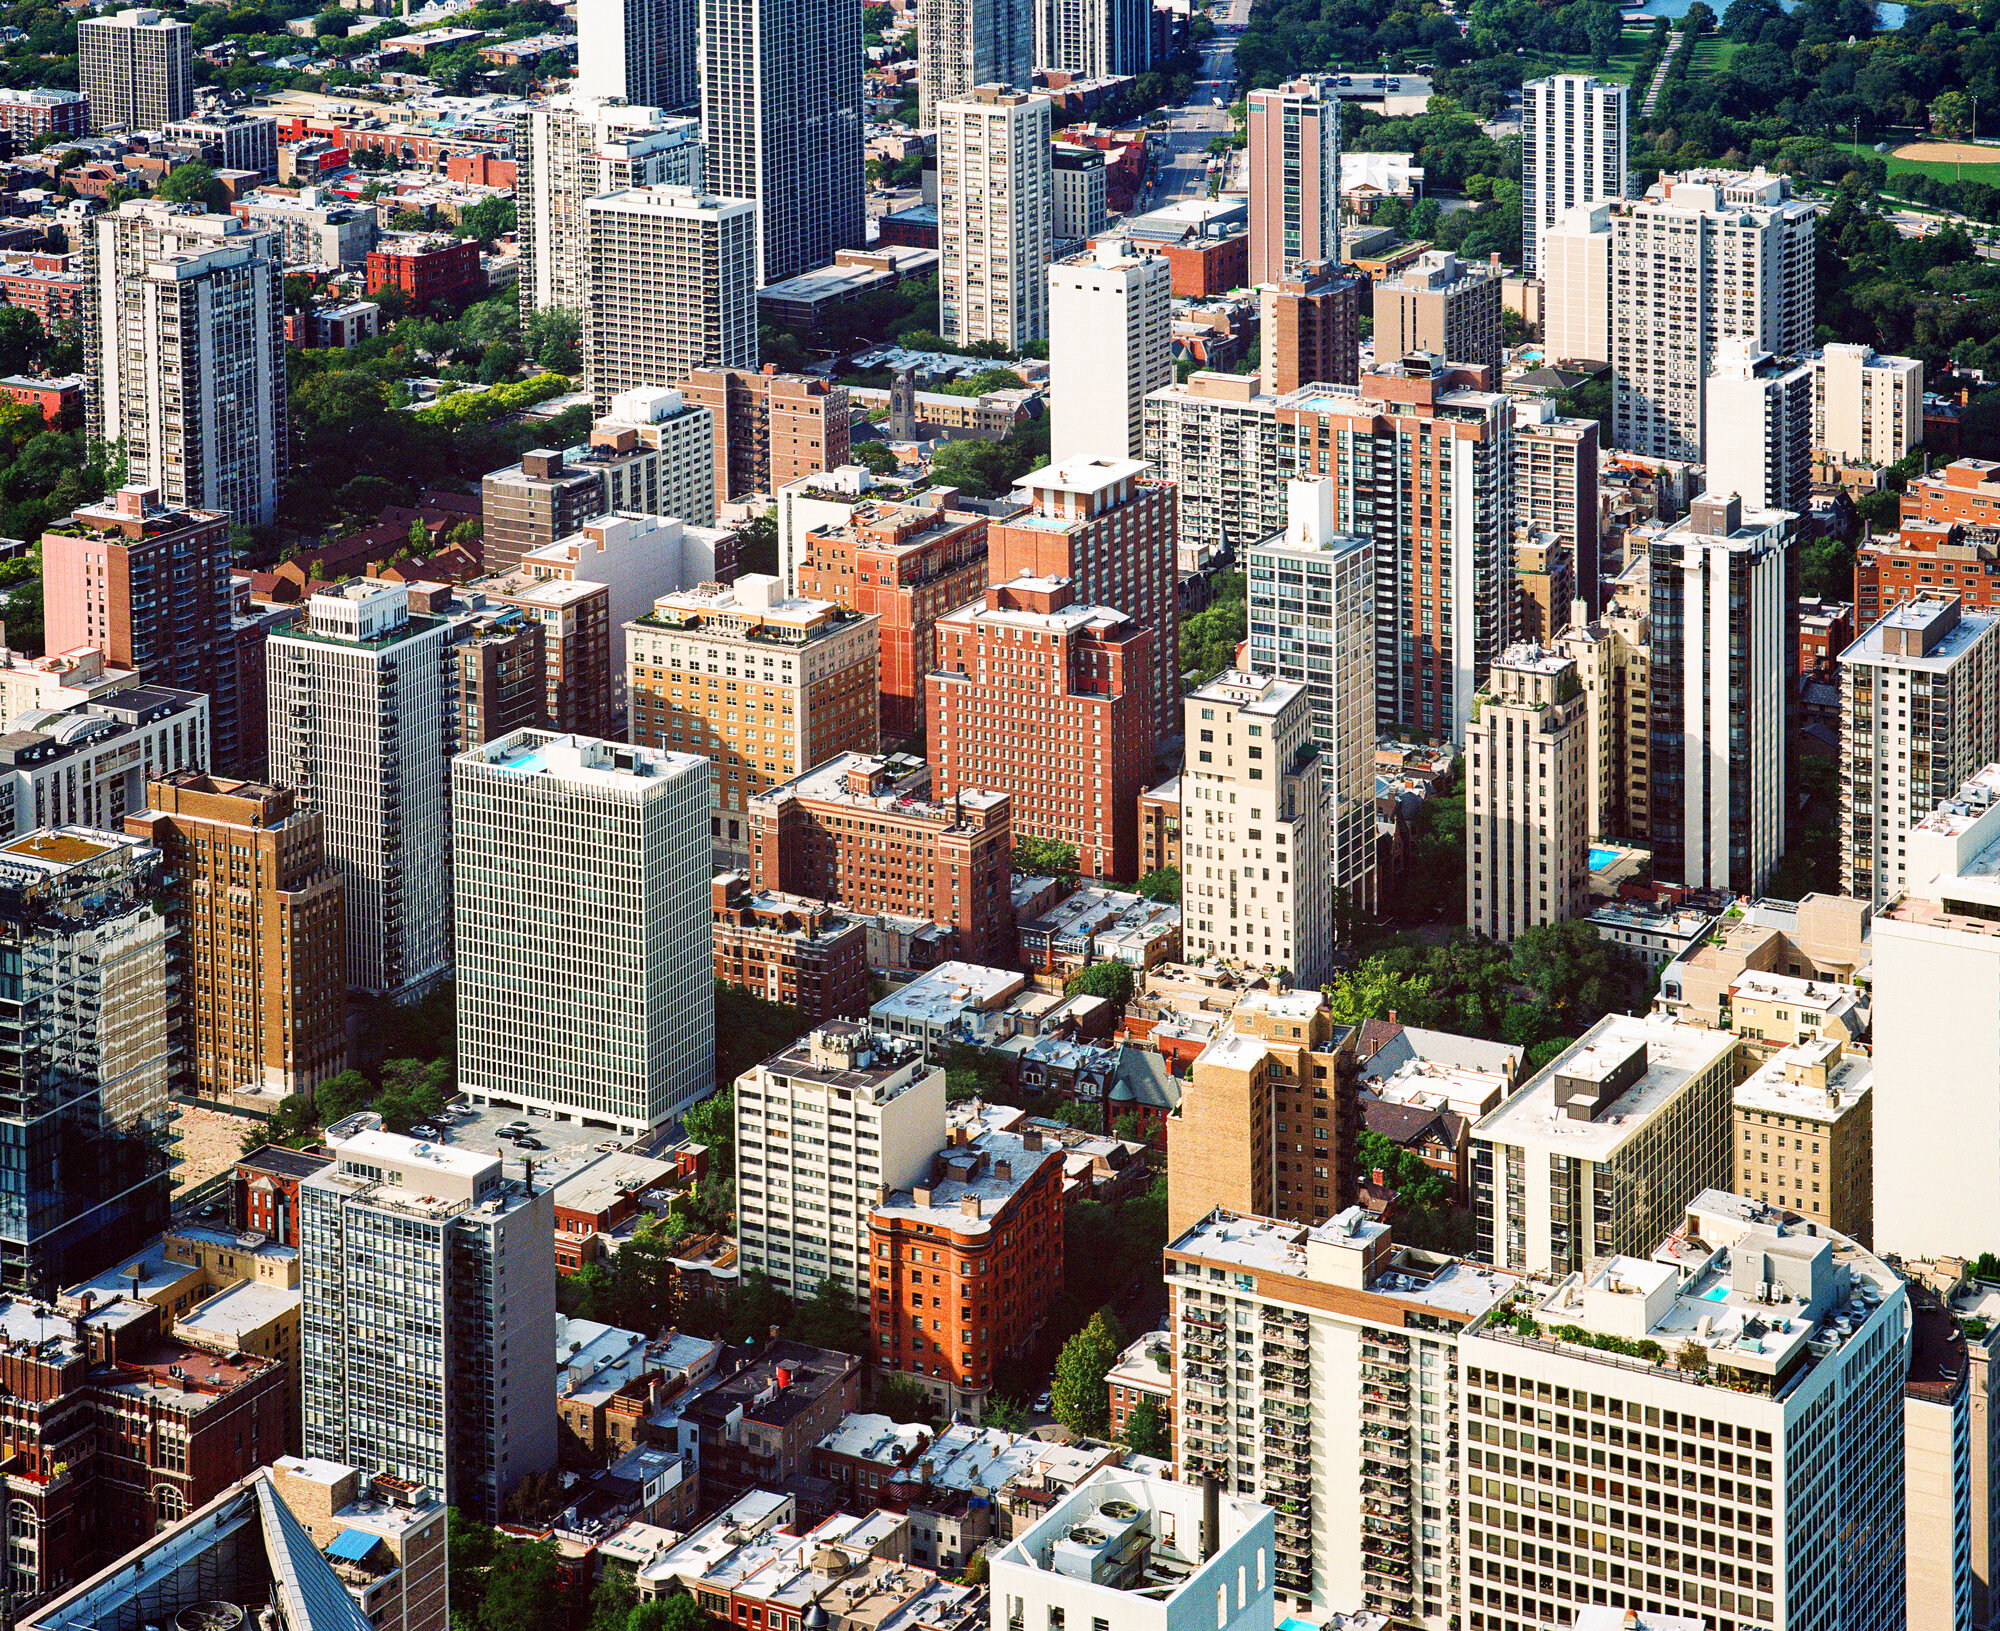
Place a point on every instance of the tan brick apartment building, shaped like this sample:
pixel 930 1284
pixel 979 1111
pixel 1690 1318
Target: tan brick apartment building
pixel 263 932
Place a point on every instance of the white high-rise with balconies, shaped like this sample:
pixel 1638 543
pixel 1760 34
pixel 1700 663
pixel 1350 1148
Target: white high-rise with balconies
pixel 824 1128
pixel 586 968
pixel 184 340
pixel 1704 257
pixel 1110 343
pixel 1757 428
pixel 1312 620
pixel 356 698
pixel 996 229
pixel 1919 714
pixel 1574 137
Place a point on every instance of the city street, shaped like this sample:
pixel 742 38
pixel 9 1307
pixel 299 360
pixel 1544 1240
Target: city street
pixel 1182 168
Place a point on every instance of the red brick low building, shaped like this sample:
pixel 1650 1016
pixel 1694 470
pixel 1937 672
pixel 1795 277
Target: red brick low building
pixel 427 269
pixel 786 948
pixel 265 1190
pixel 115 1431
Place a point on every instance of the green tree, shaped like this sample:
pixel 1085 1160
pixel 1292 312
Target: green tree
pixel 413 1090
pixel 1208 640
pixel 757 544
pixel 613 1598
pixel 471 1546
pixel 904 1399
pixel 195 183
pixel 21 339
pixel 554 338
pixel 1162 883
pixel 1951 114
pixel 874 456
pixel 827 1319
pixel 1080 1396
pixel 523 1588
pixel 1145 1428
pixel 644 1280
pixel 1044 857
pixel 676 1611
pixel 1371 990
pixel 1109 979
pixel 1004 1413
pixel 1572 970
pixel 340 1096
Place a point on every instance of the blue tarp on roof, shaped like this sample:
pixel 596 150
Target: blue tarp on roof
pixel 352 1546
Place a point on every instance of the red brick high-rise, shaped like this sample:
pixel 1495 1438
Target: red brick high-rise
pixel 909 564
pixel 977 1247
pixel 1097 523
pixel 149 586
pixel 1050 701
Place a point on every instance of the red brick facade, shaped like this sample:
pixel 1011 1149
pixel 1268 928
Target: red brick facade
pixel 1051 703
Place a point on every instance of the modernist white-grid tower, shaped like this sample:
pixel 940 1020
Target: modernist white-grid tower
pixel 571 149
pixel 1574 138
pixel 137 69
pixel 646 52
pixel 184 340
pixel 996 232
pixel 586 964
pixel 964 43
pixel 781 125
pixel 1110 342
pixel 357 724
pixel 672 288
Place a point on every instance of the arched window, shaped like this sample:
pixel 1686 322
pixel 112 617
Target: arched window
pixel 168 1499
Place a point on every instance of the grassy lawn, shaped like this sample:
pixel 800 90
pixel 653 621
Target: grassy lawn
pixel 1624 61
pixel 1712 55
pixel 1936 170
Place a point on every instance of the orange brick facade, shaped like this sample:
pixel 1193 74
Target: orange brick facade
pixel 956 1294
pixel 909 566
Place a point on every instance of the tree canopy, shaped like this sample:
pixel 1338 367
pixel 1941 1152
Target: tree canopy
pixel 1079 1396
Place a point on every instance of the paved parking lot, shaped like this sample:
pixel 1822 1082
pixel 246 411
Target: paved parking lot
pixel 566 1145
